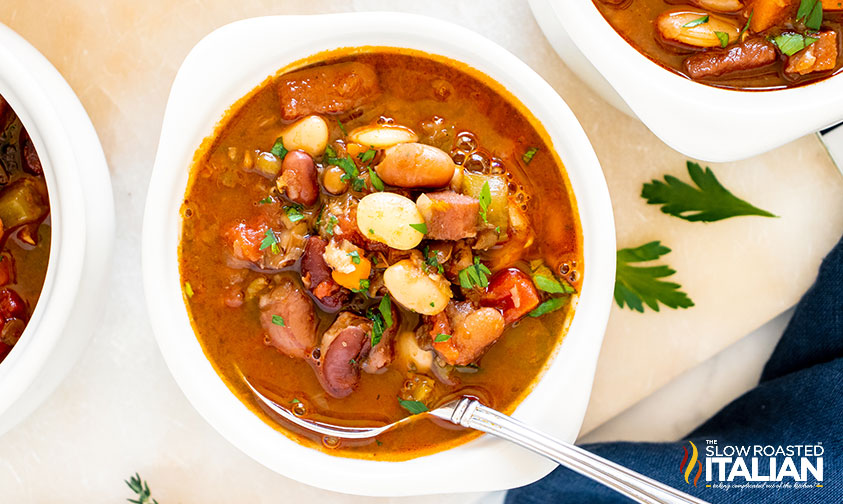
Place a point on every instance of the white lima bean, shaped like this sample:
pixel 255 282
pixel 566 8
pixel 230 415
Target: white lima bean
pixel 387 217
pixel 696 28
pixel 409 285
pixel 719 5
pixel 309 134
pixel 381 136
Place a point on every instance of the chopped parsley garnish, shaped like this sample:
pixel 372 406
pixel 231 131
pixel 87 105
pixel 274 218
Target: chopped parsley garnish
pixel 792 43
pixel 379 442
pixel 355 256
pixel 414 407
pixel 188 289
pixel 723 37
pixel 377 325
pixel 421 228
pixel 364 287
pixel 367 156
pixel 266 200
pixel 342 127
pixel 811 13
pixel 696 22
pixel 485 200
pixel 295 401
pixel 271 242
pixel 476 275
pixel 746 26
pixel 639 285
pixel 546 281
pixel 352 174
pixel 278 320
pixel 377 183
pixel 371 231
pixel 548 306
pixel 528 156
pixel 352 362
pixel 278 149
pixel 709 201
pixel 385 307
pixel 431 260
pixel 294 213
pixel 441 337
pixel 329 228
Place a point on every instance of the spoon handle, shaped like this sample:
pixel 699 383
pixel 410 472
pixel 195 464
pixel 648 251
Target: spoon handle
pixel 470 413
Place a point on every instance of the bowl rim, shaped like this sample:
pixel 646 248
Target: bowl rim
pixel 52 340
pixel 194 116
pixel 688 116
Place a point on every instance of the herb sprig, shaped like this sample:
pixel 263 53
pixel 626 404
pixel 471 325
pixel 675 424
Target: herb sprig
pixel 709 201
pixel 141 489
pixel 811 13
pixel 270 241
pixel 476 275
pixel 414 407
pixel 636 286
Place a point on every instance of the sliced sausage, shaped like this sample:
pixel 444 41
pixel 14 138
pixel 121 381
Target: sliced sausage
pixel 512 292
pixel 294 333
pixel 449 215
pixel 747 55
pixel 299 178
pixel 316 275
pixel 327 89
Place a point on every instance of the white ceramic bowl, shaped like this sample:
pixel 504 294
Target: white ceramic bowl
pixel 700 121
pixel 82 216
pixel 229 63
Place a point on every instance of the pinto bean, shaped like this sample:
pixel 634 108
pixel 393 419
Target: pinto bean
pixel 474 331
pixel 673 25
pixel 299 178
pixel 749 54
pixel 718 5
pixel 416 165
pixel 381 136
pixel 297 336
pixel 327 89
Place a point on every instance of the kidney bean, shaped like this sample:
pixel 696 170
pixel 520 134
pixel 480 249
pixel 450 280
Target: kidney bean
pixel 299 178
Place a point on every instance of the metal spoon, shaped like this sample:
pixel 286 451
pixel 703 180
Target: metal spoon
pixel 468 412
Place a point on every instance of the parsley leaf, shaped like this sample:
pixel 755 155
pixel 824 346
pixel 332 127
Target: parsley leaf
pixel 329 228
pixel 528 156
pixel 548 306
pixel 266 200
pixel 271 242
pixel 811 13
pixel 377 183
pixel 431 260
pixel 295 401
pixel 441 337
pixel 475 275
pixel 639 285
pixel 385 307
pixel 367 156
pixel 746 26
pixel 696 22
pixel 377 325
pixel 342 127
pixel 355 256
pixel 792 43
pixel 352 173
pixel 485 200
pixel 708 202
pixel 723 37
pixel 421 228
pixel 278 320
pixel 414 407
pixel 278 149
pixel 364 287
pixel 294 213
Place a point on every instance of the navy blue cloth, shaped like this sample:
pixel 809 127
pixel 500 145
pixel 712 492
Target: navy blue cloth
pixel 799 401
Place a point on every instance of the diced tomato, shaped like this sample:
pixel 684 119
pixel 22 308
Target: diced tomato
pixel 512 292
pixel 11 305
pixel 439 324
pixel 245 239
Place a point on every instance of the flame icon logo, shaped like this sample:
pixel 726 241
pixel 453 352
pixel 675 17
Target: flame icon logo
pixel 687 466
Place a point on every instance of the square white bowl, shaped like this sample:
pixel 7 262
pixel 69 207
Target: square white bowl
pixel 224 67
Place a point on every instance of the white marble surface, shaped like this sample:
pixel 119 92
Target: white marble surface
pixel 119 411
